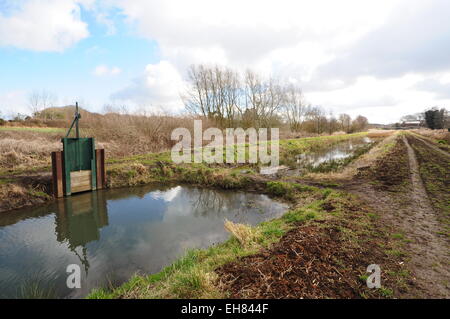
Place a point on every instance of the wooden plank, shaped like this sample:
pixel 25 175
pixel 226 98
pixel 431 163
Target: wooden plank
pixel 80 178
pixel 100 165
pixel 81 188
pixel 85 174
pixel 57 176
pixel 81 181
pixel 93 165
pixel 67 166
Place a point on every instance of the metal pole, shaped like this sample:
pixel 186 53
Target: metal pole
pixel 76 116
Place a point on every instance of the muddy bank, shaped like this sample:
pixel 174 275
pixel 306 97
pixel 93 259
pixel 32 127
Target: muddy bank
pixel 320 260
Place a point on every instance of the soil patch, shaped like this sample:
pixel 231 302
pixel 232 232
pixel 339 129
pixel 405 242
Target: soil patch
pixel 318 260
pixel 391 171
pixel 411 214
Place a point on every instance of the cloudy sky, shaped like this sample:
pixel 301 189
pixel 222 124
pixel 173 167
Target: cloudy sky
pixel 381 59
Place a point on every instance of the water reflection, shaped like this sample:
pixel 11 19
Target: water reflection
pixel 115 233
pixel 78 222
pixel 336 152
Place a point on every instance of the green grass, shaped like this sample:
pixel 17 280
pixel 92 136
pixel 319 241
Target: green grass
pixel 386 292
pixel 36 289
pixel 159 167
pixel 398 236
pixel 192 276
pixel 396 252
pixel 33 129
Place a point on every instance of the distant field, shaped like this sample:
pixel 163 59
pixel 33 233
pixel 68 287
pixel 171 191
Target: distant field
pixel 33 129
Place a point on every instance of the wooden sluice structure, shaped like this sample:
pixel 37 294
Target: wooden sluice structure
pixel 79 167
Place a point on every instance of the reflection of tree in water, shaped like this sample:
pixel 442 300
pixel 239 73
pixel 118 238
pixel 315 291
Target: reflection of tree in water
pixel 84 260
pixel 78 222
pixel 206 201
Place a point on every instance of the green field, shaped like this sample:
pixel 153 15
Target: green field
pixel 33 129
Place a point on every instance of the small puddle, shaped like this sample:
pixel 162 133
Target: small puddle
pixel 113 234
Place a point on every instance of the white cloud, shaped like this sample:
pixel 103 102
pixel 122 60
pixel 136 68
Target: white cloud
pixel 381 100
pixel 438 84
pixel 351 56
pixel 415 38
pixel 104 70
pixel 13 102
pixel 245 32
pixel 160 85
pixel 42 25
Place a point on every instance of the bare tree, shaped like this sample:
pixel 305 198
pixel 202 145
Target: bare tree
pixel 360 123
pixel 345 122
pixel 332 123
pixel 214 93
pixel 252 100
pixel 295 107
pixel 39 101
pixel 317 115
pixel 263 98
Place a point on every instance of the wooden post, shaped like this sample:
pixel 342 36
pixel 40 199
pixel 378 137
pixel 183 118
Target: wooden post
pixel 57 170
pixel 101 171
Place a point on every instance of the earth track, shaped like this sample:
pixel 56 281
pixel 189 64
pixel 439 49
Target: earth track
pixel 434 147
pixel 430 251
pixel 407 208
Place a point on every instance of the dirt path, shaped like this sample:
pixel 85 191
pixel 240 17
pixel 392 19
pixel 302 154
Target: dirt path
pixel 410 212
pixel 430 258
pixel 434 147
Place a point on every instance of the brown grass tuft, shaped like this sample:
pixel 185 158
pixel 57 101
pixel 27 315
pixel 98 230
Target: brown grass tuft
pixel 246 235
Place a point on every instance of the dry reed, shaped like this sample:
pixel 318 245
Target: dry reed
pixel 246 235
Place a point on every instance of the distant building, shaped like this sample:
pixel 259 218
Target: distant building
pixel 411 124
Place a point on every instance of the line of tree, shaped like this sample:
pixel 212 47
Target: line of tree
pixel 433 118
pixel 436 118
pixel 245 100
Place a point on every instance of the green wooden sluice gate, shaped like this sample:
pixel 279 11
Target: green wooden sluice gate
pixel 79 167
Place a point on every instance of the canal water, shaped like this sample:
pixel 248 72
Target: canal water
pixel 339 151
pixel 305 162
pixel 113 234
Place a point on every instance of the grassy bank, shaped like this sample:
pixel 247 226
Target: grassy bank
pixel 203 273
pixel 25 170
pixel 341 236
pixel 153 167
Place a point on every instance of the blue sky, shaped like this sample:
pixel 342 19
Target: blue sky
pixel 381 59
pixel 70 74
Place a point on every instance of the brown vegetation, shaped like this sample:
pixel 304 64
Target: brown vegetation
pixel 391 170
pixel 249 99
pixel 438 135
pixel 321 259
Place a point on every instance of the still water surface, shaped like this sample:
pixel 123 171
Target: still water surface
pixel 113 234
pixel 339 151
